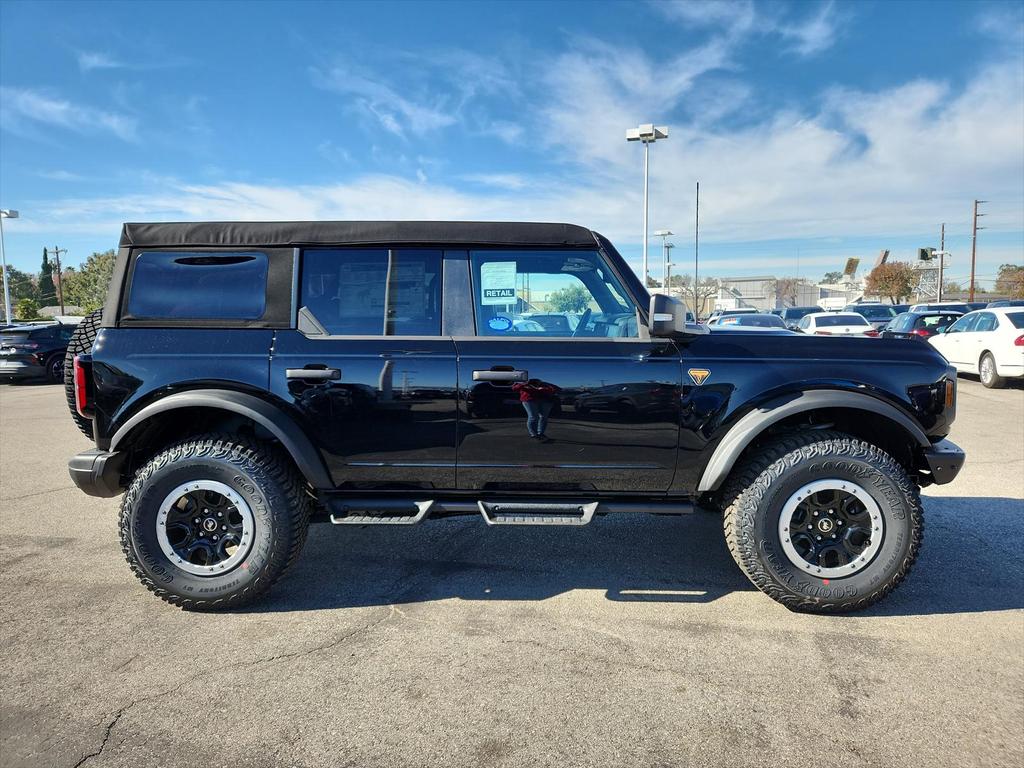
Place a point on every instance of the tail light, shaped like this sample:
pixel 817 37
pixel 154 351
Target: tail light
pixel 1019 341
pixel 823 333
pixel 82 404
pixel 873 333
pixel 924 333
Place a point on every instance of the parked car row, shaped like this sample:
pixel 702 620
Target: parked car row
pixel 987 342
pixel 33 350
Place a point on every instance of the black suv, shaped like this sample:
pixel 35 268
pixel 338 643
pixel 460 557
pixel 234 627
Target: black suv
pixel 34 351
pixel 246 378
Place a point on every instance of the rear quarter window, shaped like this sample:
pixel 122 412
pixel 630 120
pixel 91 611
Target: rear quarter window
pixel 1016 319
pixel 169 285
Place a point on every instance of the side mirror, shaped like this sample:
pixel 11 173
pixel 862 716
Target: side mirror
pixel 668 318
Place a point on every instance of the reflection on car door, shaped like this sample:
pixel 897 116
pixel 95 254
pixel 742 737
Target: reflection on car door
pixel 548 412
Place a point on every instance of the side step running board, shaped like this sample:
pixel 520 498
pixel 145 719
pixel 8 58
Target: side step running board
pixel 527 513
pixel 385 512
pixel 378 511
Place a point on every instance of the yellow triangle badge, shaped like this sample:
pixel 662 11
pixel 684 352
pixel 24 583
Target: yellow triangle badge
pixel 699 375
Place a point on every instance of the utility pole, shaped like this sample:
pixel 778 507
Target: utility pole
pixel 942 258
pixel 974 244
pixel 696 256
pixel 60 277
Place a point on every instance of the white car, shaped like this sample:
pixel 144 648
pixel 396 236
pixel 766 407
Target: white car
pixel 836 324
pixel 988 342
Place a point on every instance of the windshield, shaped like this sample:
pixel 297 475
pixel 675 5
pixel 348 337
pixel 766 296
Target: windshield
pixel 830 321
pixel 757 321
pixel 874 313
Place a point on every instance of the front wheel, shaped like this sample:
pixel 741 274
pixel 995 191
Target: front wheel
pixel 55 369
pixel 823 522
pixel 213 522
pixel 988 374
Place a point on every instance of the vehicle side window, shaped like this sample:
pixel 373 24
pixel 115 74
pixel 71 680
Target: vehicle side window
pixel 218 286
pixel 805 322
pixel 373 291
pixel 43 334
pixel 66 333
pixel 986 322
pixel 965 323
pixel 902 322
pixel 537 294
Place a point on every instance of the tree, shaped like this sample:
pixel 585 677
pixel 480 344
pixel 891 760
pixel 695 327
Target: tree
pixel 787 290
pixel 26 309
pixel 87 286
pixel 894 280
pixel 652 283
pixel 47 293
pixel 572 298
pixel 1010 280
pixel 832 277
pixel 952 287
pixel 21 284
pixel 697 298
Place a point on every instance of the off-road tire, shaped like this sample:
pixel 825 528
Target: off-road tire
pixel 757 490
pixel 992 380
pixel 265 478
pixel 80 344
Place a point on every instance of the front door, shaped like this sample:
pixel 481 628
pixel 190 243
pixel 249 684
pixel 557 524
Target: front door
pixel 557 390
pixel 368 370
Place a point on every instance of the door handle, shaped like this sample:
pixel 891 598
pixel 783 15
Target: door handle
pixel 500 375
pixel 323 374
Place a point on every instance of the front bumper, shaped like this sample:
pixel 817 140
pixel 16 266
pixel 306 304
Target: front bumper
pixel 97 473
pixel 943 461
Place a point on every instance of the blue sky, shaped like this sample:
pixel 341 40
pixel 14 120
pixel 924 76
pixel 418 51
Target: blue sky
pixel 818 131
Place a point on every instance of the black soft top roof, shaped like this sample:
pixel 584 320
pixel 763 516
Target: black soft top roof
pixel 293 233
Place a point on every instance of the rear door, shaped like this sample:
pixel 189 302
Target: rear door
pixel 368 369
pixel 549 406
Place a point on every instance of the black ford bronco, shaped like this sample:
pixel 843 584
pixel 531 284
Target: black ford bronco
pixel 244 379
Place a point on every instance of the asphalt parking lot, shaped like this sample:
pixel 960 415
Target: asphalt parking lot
pixel 632 642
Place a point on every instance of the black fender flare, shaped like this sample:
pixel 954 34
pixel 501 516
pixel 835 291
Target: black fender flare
pixel 743 432
pixel 267 415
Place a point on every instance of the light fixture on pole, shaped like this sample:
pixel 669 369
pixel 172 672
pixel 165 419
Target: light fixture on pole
pixel 665 245
pixel 648 134
pixel 6 214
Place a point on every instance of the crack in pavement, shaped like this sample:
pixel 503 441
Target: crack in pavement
pixel 256 662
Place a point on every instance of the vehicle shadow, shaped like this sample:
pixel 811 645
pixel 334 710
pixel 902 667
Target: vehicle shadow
pixel 970 562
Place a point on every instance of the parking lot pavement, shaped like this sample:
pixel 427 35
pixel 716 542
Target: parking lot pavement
pixel 632 642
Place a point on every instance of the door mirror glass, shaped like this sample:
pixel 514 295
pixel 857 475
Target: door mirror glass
pixel 668 318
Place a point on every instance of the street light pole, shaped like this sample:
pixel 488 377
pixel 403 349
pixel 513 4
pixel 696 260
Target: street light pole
pixel 648 134
pixel 6 214
pixel 665 245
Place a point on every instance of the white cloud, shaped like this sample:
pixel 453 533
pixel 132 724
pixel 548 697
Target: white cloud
pixel 90 60
pixel 513 181
pixel 737 19
pixel 813 34
pixel 22 110
pixel 60 175
pixel 395 113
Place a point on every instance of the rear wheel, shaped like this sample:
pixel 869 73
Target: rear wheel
pixel 823 522
pixel 80 344
pixel 213 522
pixel 988 374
